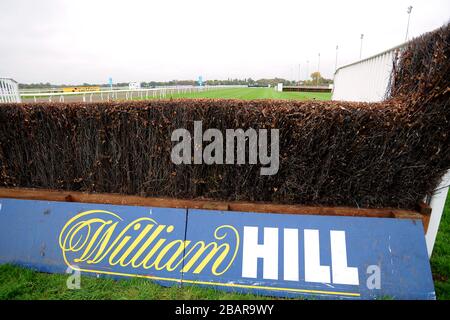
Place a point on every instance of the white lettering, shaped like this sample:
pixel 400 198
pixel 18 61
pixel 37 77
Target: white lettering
pixel 267 251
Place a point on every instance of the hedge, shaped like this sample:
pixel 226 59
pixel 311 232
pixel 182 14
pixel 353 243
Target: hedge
pixel 388 154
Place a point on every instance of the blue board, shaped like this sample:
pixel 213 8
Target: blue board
pixel 93 238
pixel 270 254
pixel 324 256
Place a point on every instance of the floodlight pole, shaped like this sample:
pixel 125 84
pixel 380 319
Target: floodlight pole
pixel 360 48
pixel 299 74
pixel 335 64
pixel 318 71
pixel 307 69
pixel 407 26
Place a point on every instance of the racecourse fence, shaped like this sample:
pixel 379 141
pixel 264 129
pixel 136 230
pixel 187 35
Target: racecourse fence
pixel 119 94
pixel 9 90
pixel 366 80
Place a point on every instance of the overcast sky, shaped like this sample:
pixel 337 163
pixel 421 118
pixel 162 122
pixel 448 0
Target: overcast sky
pixel 89 41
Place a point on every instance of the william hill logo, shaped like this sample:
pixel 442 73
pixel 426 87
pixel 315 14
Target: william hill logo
pixel 101 241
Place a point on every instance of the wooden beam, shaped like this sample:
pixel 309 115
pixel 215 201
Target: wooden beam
pixel 424 208
pixel 261 207
pixel 425 211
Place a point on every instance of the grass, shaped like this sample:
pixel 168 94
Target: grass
pixel 25 284
pixel 253 93
pixel 228 93
pixel 440 260
pixel 20 283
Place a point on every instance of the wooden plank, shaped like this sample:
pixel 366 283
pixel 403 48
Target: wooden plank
pixel 119 199
pixel 425 211
pixel 424 208
pixel 426 221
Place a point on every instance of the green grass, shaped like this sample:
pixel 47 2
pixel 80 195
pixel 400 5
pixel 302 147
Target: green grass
pixel 440 260
pixel 25 284
pixel 253 93
pixel 230 93
pixel 20 283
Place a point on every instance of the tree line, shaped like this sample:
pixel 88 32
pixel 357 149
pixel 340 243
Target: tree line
pixel 316 79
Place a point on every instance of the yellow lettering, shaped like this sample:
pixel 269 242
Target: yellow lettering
pixel 91 239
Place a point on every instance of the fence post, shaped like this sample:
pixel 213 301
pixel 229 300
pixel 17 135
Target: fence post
pixel 9 90
pixel 437 204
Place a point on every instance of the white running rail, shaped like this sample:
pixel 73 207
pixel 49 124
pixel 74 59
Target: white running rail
pixel 437 204
pixel 9 90
pixel 366 80
pixel 122 94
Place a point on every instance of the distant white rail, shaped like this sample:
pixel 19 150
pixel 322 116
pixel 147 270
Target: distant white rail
pixel 366 80
pixel 123 94
pixel 9 90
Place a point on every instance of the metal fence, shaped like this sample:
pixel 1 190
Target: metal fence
pixel 9 90
pixel 368 81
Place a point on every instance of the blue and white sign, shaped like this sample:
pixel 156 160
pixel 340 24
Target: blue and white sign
pixel 200 81
pixel 330 257
pixel 269 254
